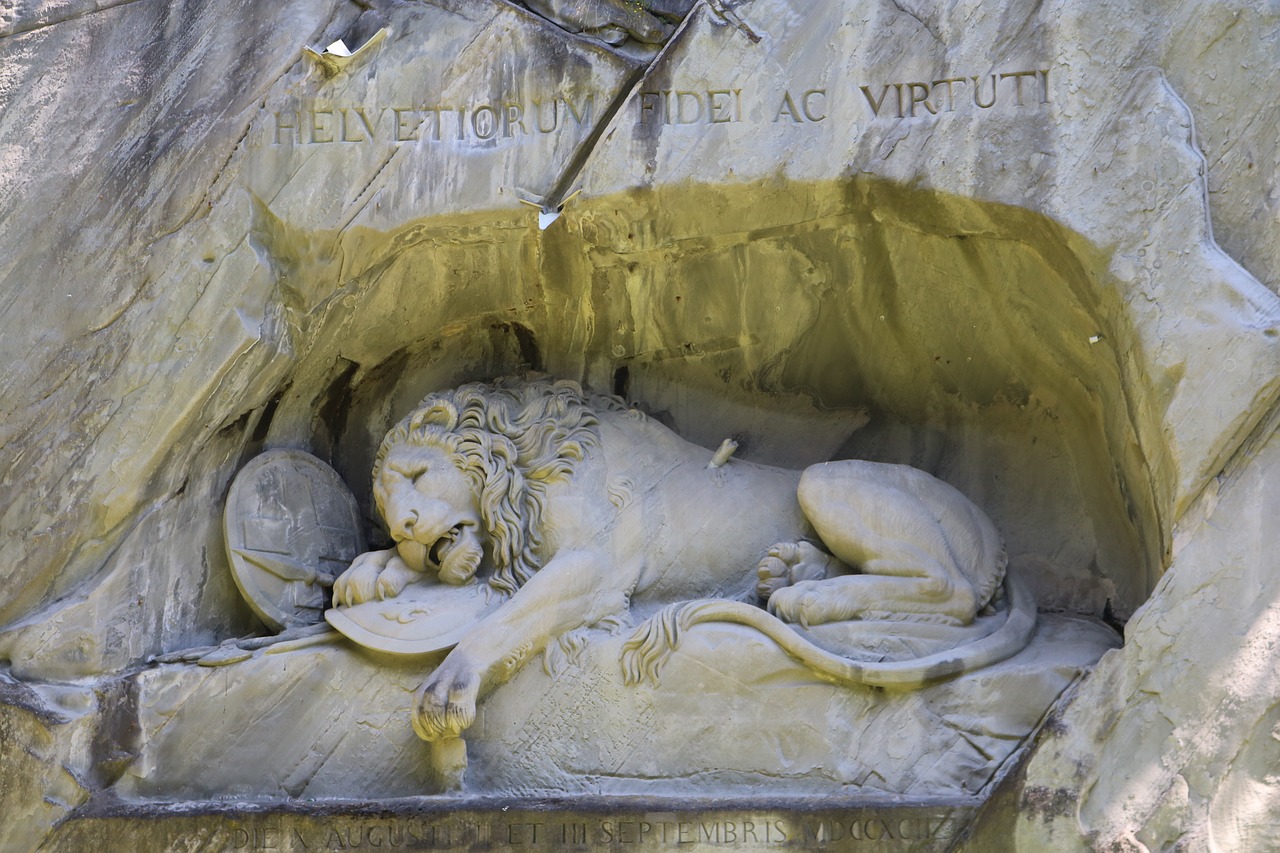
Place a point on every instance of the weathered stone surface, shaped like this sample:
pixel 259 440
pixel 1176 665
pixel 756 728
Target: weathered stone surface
pixel 1171 742
pixel 178 291
pixel 229 259
pixel 1044 140
pixel 299 274
pixel 1211 52
pixel 115 126
pixel 46 740
pixel 331 721
pixel 577 823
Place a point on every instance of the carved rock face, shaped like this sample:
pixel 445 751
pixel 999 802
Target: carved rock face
pixel 291 526
pixel 1014 276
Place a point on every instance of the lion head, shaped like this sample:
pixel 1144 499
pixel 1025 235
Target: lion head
pixel 511 440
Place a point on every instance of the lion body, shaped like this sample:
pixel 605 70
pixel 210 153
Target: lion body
pixel 589 508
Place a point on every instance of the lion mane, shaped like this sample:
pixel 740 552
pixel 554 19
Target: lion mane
pixel 512 438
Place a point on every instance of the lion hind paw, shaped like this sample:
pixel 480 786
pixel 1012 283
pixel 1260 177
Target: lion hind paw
pixel 790 563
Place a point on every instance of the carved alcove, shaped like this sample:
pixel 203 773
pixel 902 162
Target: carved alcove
pixel 857 319
pixel 851 319
pixel 977 293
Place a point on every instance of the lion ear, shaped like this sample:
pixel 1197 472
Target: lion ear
pixel 441 413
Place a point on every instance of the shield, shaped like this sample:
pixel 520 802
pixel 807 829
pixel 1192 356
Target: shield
pixel 424 617
pixel 291 526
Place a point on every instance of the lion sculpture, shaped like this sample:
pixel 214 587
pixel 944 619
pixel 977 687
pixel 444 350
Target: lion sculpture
pixel 580 510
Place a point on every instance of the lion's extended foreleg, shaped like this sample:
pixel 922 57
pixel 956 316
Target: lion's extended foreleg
pixel 572 590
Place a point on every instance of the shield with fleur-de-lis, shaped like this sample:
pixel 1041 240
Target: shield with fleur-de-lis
pixel 291 527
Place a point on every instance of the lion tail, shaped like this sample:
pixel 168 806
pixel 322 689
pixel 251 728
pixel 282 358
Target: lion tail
pixel 653 642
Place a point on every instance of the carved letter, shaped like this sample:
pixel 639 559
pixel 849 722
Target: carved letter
pixel 1044 86
pixel 368 126
pixel 977 92
pixel 950 81
pixel 683 98
pixel 583 116
pixel 718 111
pixel 343 125
pixel 650 107
pixel 875 105
pixel 512 114
pixel 280 125
pixel 316 129
pixel 788 107
pixel 435 111
pixel 1017 83
pixel 555 115
pixel 919 97
pixel 804 102
pixel 411 135
pixel 487 127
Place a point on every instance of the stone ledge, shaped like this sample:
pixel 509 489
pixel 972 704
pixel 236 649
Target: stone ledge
pixel 474 824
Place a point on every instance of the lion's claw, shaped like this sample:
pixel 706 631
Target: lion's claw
pixel 800 603
pixel 357 584
pixel 789 563
pixel 445 704
pixel 394 578
pixel 377 574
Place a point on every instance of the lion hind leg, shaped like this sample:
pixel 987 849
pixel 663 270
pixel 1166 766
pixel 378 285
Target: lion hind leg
pixel 918 591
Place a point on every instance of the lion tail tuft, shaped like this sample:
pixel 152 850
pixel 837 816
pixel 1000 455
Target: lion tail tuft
pixel 653 642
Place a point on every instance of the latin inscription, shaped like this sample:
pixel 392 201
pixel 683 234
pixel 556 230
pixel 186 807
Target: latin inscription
pixel 655 830
pixel 519 120
pixel 323 124
pixel 687 106
pixel 892 100
pixel 947 94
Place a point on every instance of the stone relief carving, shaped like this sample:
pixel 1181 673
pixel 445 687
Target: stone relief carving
pixel 290 526
pixel 575 511
pixel 614 21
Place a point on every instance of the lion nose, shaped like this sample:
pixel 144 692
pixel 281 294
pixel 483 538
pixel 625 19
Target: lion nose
pixel 407 525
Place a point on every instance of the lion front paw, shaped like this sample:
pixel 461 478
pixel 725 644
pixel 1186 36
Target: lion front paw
pixel 789 563
pixel 357 584
pixel 377 574
pixel 801 603
pixel 394 578
pixel 445 704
